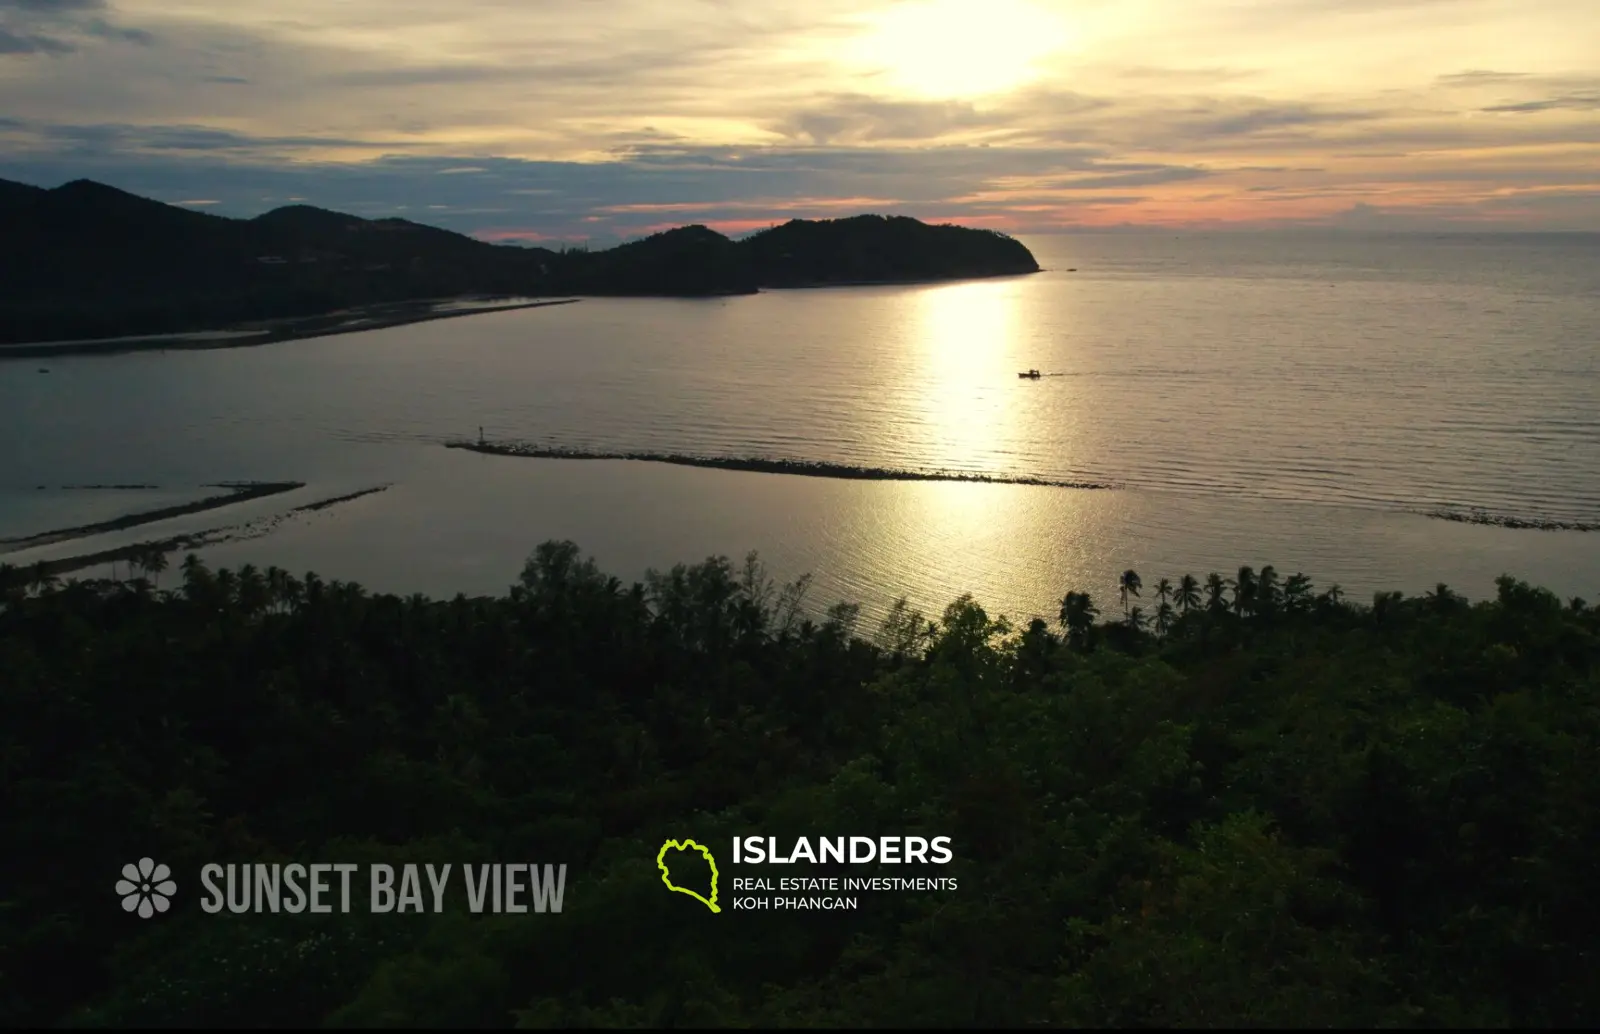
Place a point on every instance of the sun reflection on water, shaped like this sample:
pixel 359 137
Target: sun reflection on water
pixel 963 344
pixel 968 412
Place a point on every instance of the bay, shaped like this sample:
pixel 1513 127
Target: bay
pixel 1295 399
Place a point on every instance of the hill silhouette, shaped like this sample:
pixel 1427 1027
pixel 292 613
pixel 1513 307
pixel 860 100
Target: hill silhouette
pixel 876 249
pixel 87 260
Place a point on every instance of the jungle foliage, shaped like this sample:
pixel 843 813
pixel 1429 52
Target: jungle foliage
pixel 1264 806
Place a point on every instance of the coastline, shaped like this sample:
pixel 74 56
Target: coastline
pixel 323 504
pixel 758 465
pixel 236 494
pixel 189 541
pixel 249 336
pixel 918 281
pixel 394 314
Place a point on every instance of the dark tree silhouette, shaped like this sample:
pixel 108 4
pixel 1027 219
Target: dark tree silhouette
pixel 1296 593
pixel 85 260
pixel 1325 815
pixel 1165 617
pixel 1216 594
pixel 1078 614
pixel 1188 594
pixel 1244 591
pixel 1128 585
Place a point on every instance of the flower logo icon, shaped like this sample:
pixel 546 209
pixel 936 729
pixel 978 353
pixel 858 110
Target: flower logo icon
pixel 146 887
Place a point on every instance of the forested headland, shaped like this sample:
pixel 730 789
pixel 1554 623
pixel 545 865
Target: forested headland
pixel 1206 801
pixel 87 261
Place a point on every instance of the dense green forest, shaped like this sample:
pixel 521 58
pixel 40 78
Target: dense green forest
pixel 87 260
pixel 1222 801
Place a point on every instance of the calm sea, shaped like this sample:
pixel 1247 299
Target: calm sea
pixel 1294 399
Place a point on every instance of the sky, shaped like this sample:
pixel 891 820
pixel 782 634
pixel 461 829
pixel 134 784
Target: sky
pixel 598 119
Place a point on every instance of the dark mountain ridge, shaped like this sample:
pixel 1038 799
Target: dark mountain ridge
pixel 88 260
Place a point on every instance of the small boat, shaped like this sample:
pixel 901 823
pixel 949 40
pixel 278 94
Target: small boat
pixel 1031 375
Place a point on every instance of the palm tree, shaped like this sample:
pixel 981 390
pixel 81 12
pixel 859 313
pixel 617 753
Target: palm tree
pixel 1333 595
pixel 1188 596
pixel 1136 619
pixel 349 592
pixel 1296 593
pixel 135 561
pixel 1077 616
pixel 1244 591
pixel 1164 591
pixel 1165 616
pixel 254 596
pixel 1266 594
pixel 227 584
pixel 1441 598
pixel 1129 584
pixel 153 561
pixel 195 575
pixel 1216 593
pixel 277 588
pixel 1384 605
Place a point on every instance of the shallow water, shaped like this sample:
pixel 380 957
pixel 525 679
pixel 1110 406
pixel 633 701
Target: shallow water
pixel 464 523
pixel 50 507
pixel 1264 399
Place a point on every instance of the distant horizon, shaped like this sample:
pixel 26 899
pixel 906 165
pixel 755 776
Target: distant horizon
pixel 217 207
pixel 568 120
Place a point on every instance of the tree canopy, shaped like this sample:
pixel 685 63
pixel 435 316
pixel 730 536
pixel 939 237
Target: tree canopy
pixel 1293 810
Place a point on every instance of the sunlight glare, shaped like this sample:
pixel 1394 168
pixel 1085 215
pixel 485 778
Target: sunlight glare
pixel 958 48
pixel 964 334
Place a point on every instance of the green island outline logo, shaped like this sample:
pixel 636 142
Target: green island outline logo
pixel 666 877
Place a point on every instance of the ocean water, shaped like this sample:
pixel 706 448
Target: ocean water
pixel 1303 400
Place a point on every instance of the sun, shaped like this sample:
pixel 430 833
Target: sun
pixel 956 48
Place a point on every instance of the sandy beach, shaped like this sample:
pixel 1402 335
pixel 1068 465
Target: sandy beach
pixel 348 321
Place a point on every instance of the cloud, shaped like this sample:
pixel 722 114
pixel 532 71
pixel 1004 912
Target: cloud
pixel 1188 124
pixel 57 27
pixel 103 29
pixel 423 75
pixel 103 142
pixel 575 116
pixel 1479 77
pixel 16 43
pixel 845 119
pixel 1146 178
pixel 1270 117
pixel 1363 6
pixel 1364 216
pixel 1208 77
pixel 1539 93
pixel 618 195
pixel 52 7
pixel 1571 102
